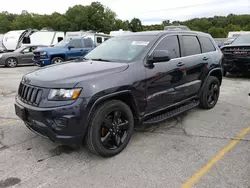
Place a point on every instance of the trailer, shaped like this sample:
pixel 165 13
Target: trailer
pixel 15 39
pixel 98 38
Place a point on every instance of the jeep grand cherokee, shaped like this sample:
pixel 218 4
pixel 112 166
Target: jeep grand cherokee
pixel 135 79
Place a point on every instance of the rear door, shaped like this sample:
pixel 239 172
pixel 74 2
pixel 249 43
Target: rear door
pixel 194 63
pixel 78 49
pixel 88 46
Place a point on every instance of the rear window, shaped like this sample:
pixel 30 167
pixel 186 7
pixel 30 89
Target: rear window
pixel 206 44
pixel 77 43
pixel 191 46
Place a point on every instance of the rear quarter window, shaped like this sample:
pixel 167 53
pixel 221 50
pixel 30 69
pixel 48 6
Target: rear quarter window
pixel 206 44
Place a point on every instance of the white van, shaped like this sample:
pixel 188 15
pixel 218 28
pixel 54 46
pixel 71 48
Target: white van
pixel 98 38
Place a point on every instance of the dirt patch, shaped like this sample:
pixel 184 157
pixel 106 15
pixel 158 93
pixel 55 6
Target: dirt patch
pixel 9 182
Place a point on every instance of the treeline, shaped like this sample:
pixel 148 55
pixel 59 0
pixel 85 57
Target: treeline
pixel 99 18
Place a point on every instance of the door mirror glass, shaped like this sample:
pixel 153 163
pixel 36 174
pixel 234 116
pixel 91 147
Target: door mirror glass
pixel 159 56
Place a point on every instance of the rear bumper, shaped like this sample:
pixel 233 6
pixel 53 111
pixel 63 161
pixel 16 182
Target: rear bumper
pixel 236 65
pixel 65 125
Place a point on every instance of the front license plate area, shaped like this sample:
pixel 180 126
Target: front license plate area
pixel 21 112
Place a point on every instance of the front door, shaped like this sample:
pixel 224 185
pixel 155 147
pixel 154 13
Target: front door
pixel 165 77
pixel 26 56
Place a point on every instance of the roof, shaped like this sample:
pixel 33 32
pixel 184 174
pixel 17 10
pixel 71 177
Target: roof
pixel 163 32
pixel 27 45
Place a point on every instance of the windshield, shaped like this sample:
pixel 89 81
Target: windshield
pixel 62 43
pixel 243 39
pixel 123 48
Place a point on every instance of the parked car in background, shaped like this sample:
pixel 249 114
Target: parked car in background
pixel 21 56
pixel 67 49
pixel 237 55
pixel 140 78
pixel 229 41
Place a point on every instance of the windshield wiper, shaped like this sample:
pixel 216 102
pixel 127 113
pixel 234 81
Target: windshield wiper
pixel 100 59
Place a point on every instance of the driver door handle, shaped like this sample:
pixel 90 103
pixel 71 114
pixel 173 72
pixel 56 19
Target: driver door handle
pixel 180 64
pixel 205 58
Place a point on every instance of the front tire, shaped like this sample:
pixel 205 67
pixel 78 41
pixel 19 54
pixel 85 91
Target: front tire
pixel 210 94
pixel 57 60
pixel 11 62
pixel 110 128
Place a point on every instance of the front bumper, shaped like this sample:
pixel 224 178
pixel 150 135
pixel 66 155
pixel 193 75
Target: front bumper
pixel 65 125
pixel 42 61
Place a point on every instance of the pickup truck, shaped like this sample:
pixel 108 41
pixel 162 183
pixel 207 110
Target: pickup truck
pixel 66 50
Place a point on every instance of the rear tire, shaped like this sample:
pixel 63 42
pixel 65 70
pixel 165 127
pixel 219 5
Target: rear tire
pixel 110 129
pixel 11 62
pixel 57 60
pixel 210 94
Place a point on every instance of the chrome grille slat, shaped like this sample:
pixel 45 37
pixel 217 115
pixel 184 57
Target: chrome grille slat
pixel 29 94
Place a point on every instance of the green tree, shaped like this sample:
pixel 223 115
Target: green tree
pixel 135 25
pixel 217 32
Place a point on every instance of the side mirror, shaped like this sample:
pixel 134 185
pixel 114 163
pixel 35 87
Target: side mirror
pixel 160 56
pixel 71 46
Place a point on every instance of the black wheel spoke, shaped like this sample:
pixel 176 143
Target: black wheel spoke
pixel 117 116
pixel 123 125
pixel 108 122
pixel 106 138
pixel 117 140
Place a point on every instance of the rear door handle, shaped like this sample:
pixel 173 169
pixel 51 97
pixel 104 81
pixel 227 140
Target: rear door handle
pixel 205 58
pixel 180 64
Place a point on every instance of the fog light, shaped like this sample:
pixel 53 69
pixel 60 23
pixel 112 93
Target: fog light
pixel 62 122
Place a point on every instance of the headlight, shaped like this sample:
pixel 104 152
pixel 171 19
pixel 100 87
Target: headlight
pixel 64 94
pixel 1 55
pixel 43 53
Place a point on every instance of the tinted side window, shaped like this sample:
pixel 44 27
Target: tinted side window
pixel 99 39
pixel 171 44
pixel 191 45
pixel 206 44
pixel 77 43
pixel 87 43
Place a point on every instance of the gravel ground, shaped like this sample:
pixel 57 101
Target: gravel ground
pixel 163 156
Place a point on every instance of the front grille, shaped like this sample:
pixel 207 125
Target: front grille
pixel 29 94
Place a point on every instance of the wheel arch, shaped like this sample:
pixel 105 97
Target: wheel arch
pixel 217 72
pixel 57 55
pixel 124 96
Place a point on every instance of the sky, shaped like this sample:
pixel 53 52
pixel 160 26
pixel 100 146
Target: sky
pixel 149 12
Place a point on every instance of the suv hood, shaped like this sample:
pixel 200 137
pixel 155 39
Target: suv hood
pixel 67 75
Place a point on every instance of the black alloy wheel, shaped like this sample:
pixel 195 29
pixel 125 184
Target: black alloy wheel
pixel 110 129
pixel 114 130
pixel 210 94
pixel 213 93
